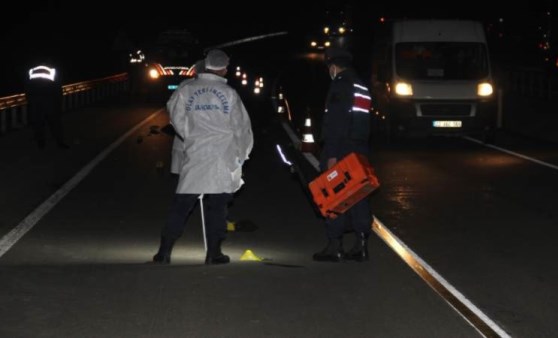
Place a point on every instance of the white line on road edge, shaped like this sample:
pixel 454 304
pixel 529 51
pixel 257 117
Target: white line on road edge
pixel 458 301
pixel 313 160
pixel 309 156
pixel 291 134
pixel 35 216
pixel 454 298
pixel 546 164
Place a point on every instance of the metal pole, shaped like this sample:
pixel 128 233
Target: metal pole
pixel 3 127
pixel 203 223
pixel 500 111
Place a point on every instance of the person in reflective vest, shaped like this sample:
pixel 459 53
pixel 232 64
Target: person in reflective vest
pixel 44 103
pixel 345 129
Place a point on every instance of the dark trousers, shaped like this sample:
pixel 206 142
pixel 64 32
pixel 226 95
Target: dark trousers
pixel 215 213
pixel 359 218
pixel 39 121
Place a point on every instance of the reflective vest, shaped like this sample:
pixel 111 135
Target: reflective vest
pixel 42 72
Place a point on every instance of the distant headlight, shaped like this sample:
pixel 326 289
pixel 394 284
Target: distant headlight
pixel 484 89
pixel 327 43
pixel 313 43
pixel 153 73
pixel 403 89
pixel 341 30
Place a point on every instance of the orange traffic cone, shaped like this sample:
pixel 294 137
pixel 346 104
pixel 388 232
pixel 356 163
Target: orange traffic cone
pixel 308 144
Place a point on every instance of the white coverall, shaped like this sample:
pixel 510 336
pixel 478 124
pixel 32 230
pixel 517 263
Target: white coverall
pixel 177 154
pixel 212 120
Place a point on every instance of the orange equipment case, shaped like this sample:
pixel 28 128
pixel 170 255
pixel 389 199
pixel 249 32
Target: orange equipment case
pixel 350 180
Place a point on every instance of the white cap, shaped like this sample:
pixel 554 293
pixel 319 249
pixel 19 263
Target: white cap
pixel 216 59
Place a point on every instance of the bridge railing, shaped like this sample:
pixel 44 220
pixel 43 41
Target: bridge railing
pixel 13 108
pixel 532 83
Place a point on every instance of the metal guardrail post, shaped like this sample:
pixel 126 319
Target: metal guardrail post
pixel 3 125
pixel 13 120
pixel 500 109
pixel 24 120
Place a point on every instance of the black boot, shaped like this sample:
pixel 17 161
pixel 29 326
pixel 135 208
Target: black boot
pixel 359 251
pixel 214 254
pixel 165 249
pixel 333 252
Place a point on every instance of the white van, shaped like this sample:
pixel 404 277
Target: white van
pixel 434 77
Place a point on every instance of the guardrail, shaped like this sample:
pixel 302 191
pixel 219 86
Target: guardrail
pixel 531 83
pixel 13 108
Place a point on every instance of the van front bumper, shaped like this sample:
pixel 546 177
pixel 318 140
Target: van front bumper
pixel 442 117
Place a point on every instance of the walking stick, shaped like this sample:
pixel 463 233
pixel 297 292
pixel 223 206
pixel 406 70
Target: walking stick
pixel 203 223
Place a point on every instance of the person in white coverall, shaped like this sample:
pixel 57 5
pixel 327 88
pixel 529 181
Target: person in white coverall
pixel 211 119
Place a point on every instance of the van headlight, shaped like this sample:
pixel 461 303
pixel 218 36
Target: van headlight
pixel 484 89
pixel 403 89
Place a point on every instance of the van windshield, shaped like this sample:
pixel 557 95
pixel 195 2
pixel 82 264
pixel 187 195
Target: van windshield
pixel 441 60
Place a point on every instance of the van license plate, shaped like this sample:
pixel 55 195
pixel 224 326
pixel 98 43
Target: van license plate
pixel 446 124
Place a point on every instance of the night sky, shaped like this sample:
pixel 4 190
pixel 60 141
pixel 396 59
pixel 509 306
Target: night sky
pixel 99 21
pixel 85 31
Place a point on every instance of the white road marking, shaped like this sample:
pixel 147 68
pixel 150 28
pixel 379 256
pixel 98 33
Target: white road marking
pixel 471 313
pixel 513 153
pixel 11 238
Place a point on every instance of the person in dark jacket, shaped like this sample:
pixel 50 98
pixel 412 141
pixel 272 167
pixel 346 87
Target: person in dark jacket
pixel 44 103
pixel 345 129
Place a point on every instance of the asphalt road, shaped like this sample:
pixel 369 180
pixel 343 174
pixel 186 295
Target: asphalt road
pixel 482 217
pixel 83 270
